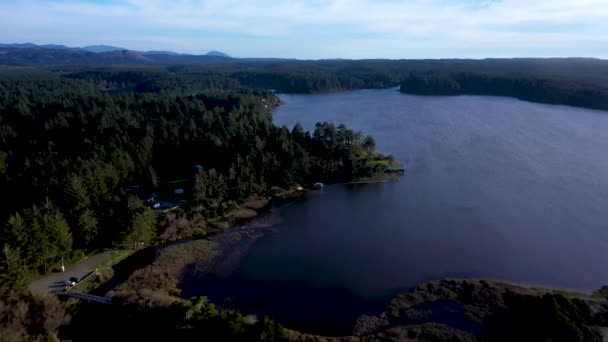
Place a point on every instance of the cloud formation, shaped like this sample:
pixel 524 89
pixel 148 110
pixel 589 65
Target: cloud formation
pixel 319 28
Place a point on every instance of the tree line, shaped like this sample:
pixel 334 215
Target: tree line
pixel 548 89
pixel 579 82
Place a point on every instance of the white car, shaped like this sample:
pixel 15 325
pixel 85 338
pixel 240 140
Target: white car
pixel 71 282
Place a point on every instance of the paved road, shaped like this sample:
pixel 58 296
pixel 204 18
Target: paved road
pixel 54 282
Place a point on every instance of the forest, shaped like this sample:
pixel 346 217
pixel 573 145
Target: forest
pixel 549 90
pixel 579 82
pixel 574 82
pixel 80 153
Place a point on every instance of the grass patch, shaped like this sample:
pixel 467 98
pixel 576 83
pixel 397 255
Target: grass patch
pixel 115 258
pixel 104 271
pixel 173 259
pixel 380 163
pixel 244 213
pixel 159 282
pixel 218 222
pixel 93 282
pixel 256 203
pixel 377 178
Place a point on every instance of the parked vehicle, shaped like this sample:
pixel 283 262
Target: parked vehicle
pixel 71 282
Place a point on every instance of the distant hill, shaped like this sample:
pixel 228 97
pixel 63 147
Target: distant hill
pixel 33 46
pixel 56 47
pixel 102 48
pixel 90 48
pixel 42 56
pixel 19 46
pixel 37 55
pixel 217 54
pixel 160 53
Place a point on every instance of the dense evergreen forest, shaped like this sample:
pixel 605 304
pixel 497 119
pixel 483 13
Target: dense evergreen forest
pixel 550 90
pixel 80 152
pixel 574 82
pixel 571 81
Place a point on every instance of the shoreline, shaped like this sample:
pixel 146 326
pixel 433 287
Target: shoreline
pixel 276 201
pixel 213 259
pixel 398 90
pixel 187 262
pixel 184 264
pixel 469 294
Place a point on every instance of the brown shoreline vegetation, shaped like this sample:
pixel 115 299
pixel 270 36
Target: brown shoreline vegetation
pixel 487 310
pixel 483 309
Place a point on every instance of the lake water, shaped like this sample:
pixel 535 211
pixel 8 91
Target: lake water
pixel 495 187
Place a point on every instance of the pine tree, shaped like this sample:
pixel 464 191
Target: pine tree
pixel 12 270
pixel 2 163
pixel 143 227
pixel 87 224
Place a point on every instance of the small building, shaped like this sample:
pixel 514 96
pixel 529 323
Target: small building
pixel 151 198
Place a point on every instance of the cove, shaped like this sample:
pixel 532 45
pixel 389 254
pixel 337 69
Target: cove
pixel 495 188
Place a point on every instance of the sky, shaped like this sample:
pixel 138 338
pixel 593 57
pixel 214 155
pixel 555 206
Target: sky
pixel 315 29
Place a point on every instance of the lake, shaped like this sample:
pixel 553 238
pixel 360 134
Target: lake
pixel 495 188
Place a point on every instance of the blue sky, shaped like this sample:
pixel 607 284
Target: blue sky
pixel 312 29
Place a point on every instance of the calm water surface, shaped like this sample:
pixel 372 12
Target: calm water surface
pixel 495 187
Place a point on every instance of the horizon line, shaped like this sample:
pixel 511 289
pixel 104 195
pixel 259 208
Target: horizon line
pixel 49 46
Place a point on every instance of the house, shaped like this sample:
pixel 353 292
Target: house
pixel 151 198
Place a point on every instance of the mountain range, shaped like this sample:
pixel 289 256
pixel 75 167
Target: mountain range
pixel 32 54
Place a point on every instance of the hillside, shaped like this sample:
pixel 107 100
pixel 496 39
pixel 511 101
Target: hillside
pixel 37 56
pixel 102 48
pixel 217 54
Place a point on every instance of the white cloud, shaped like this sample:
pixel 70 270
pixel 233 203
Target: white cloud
pixel 320 28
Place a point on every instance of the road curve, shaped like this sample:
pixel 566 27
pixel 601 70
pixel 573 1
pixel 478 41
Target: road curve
pixel 54 282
